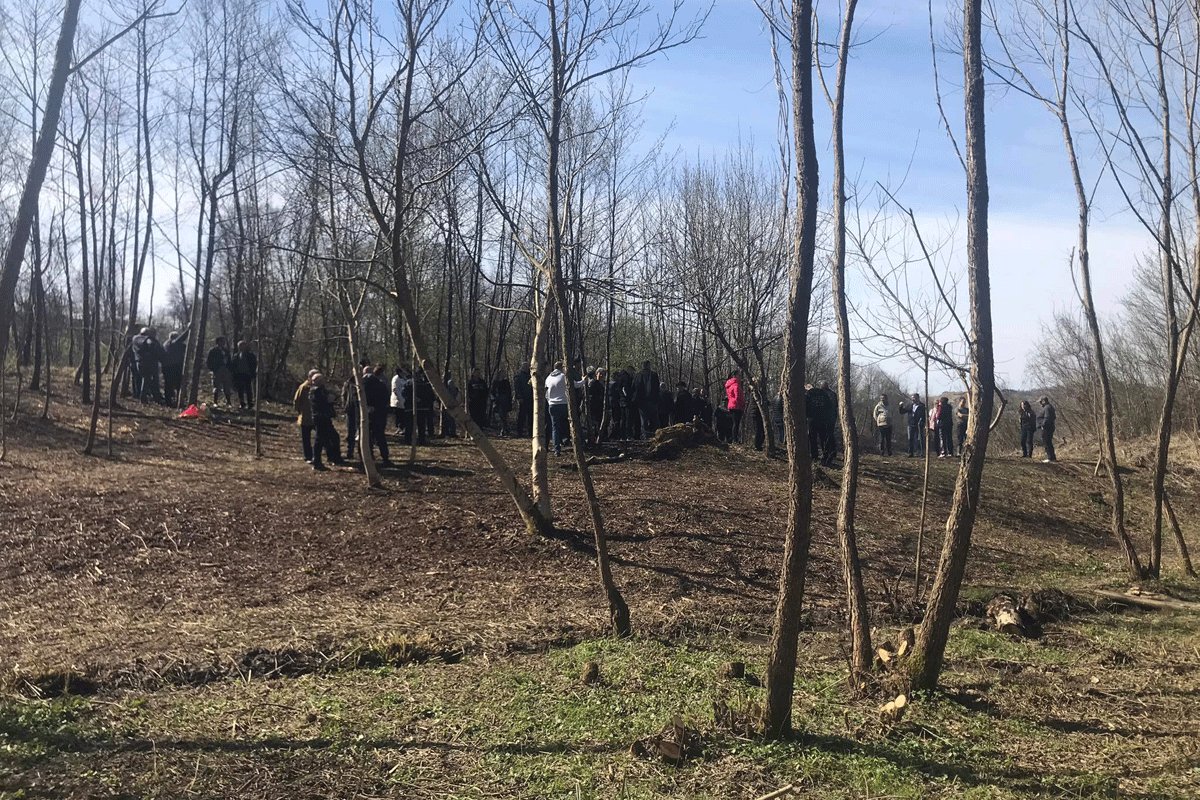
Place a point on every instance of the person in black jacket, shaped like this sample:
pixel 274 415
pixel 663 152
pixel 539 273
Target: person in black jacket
pixel 218 365
pixel 702 407
pixel 477 398
pixel 1027 419
pixel 502 402
pixel 378 396
pixel 682 409
pixel 647 393
pixel 596 392
pixel 423 398
pixel 524 393
pixel 174 351
pixel 322 418
pixel 350 403
pixel 147 359
pixel 243 366
pixel 918 421
pixel 1046 419
pixel 829 426
pixel 815 402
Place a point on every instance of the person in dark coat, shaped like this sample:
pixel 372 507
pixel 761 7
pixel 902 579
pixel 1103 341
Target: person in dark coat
pixel 647 395
pixel 829 426
pixel 449 425
pixel 174 351
pixel 148 357
pixel 243 366
pixel 702 407
pixel 815 402
pixel 945 428
pixel 523 390
pixel 918 420
pixel 596 392
pixel 477 398
pixel 1047 417
pixel 502 401
pixel 682 410
pixel 777 421
pixel 757 425
pixel 723 424
pixel 378 396
pixel 962 416
pixel 218 365
pixel 1027 419
pixel 353 417
pixel 322 418
pixel 423 398
pixel 627 406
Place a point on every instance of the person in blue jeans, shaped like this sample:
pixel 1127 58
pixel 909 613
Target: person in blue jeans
pixel 557 395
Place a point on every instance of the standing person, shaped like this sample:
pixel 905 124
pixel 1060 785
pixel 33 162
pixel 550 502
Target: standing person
pixel 556 399
pixel 218 364
pixel 477 398
pixel 647 391
pixel 815 401
pixel 597 391
pixel 682 408
pixel 353 417
pixel 147 359
pixel 401 410
pixel 962 415
pixel 757 424
pixel 302 402
pixel 883 425
pixel 702 408
pixel 945 428
pixel 174 351
pixel 321 402
pixel 777 422
pixel 735 402
pixel 524 392
pixel 502 401
pixel 1027 419
pixel 423 398
pixel 829 426
pixel 1046 419
pixel 631 419
pixel 723 423
pixel 378 398
pixel 449 426
pixel 243 367
pixel 918 420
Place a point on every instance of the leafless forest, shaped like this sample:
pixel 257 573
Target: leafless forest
pixel 448 186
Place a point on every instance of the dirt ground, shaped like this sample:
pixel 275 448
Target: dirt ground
pixel 162 581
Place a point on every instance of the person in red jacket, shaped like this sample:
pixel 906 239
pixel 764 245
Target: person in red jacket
pixel 735 401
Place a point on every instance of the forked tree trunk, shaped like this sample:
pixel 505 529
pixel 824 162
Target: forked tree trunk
pixel 781 666
pixel 856 595
pixel 926 662
pixel 539 471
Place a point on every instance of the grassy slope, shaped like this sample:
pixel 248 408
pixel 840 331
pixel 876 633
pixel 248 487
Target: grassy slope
pixel 184 550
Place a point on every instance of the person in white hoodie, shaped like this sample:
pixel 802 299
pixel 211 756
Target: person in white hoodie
pixel 556 399
pixel 401 391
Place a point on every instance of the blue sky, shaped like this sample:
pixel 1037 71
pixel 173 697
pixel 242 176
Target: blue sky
pixel 721 88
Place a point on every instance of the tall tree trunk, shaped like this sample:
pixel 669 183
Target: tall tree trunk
pixel 856 595
pixel 14 252
pixel 781 666
pixel 926 662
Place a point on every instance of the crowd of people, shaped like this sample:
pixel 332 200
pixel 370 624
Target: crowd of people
pixel 232 371
pixel 628 405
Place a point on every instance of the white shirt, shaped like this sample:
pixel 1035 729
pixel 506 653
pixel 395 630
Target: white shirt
pixel 556 388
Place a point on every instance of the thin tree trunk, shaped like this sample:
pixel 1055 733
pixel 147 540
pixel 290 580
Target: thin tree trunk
pixel 781 665
pixel 926 662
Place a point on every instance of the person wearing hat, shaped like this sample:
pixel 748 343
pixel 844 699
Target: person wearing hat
pixel 147 359
pixel 174 351
pixel 302 402
pixel 1046 419
pixel 322 409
